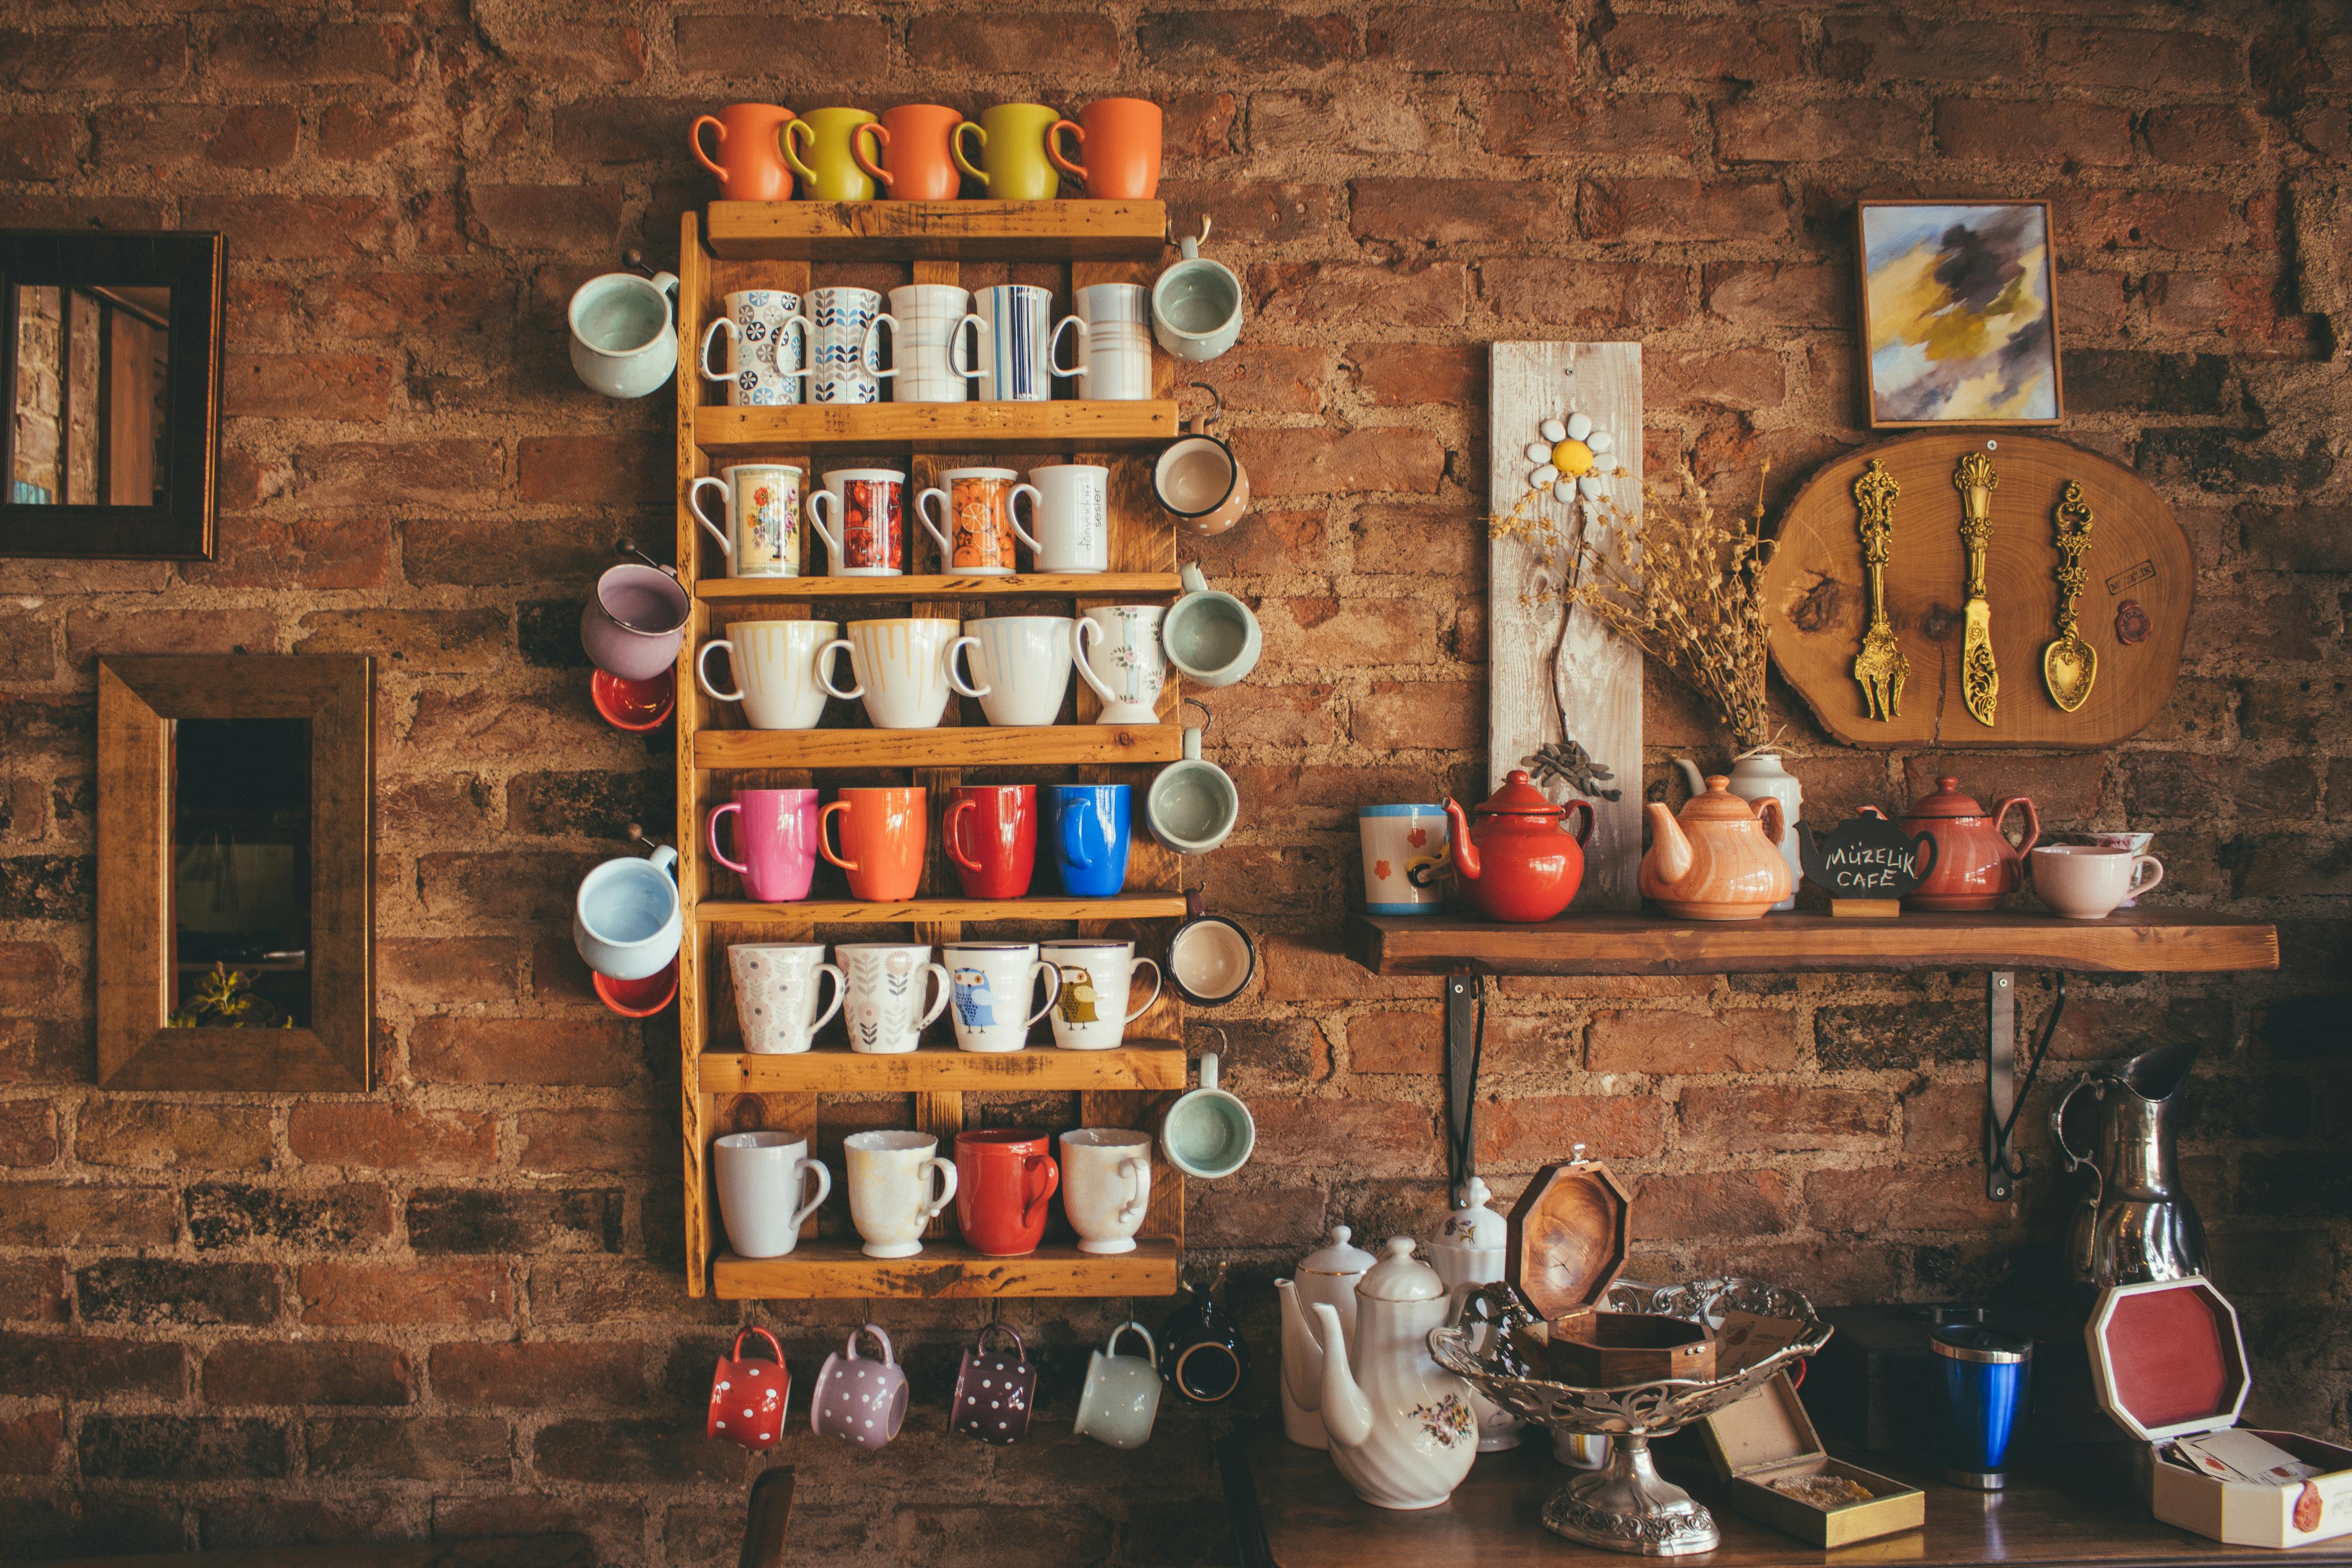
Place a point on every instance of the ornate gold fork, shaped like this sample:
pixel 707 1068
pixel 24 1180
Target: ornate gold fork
pixel 1881 666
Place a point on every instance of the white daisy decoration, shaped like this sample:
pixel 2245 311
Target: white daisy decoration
pixel 1569 459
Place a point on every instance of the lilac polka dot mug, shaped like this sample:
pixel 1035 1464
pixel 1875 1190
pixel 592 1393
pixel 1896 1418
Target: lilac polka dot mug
pixel 859 1398
pixel 993 1391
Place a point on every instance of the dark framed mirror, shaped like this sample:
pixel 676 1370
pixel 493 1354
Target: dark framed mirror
pixel 109 353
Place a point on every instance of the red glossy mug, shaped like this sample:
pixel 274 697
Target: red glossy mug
pixel 748 1397
pixel 749 160
pixel 1003 1178
pixel 991 835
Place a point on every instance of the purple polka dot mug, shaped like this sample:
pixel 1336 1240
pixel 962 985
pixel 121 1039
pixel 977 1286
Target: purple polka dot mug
pixel 859 1398
pixel 993 1391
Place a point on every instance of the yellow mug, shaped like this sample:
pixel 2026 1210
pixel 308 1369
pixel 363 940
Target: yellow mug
pixel 834 175
pixel 1013 161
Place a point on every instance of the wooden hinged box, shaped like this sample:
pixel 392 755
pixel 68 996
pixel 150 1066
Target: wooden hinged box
pixel 1569 1235
pixel 1767 1438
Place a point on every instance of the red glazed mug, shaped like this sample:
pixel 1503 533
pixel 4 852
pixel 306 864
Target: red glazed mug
pixel 1003 1177
pixel 991 836
pixel 748 1397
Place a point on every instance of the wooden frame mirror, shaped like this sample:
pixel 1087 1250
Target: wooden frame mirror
pixel 109 353
pixel 235 872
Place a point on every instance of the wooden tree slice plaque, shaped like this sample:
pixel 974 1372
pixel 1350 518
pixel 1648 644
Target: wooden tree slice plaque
pixel 2133 611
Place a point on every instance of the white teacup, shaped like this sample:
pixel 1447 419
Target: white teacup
pixel 1117 651
pixel 885 1011
pixel 759 1179
pixel 625 920
pixel 1022 665
pixel 1106 1186
pixel 1121 1399
pixel 904 670
pixel 931 355
pixel 890 1195
pixel 1114 342
pixel 767 348
pixel 991 984
pixel 776 988
pixel 775 670
pixel 625 332
pixel 2084 883
pixel 1091 1012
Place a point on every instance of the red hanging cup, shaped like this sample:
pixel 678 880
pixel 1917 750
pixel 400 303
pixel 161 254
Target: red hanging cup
pixel 748 1397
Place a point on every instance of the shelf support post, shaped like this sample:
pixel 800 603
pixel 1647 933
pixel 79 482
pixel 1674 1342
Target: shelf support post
pixel 1464 1010
pixel 2002 1169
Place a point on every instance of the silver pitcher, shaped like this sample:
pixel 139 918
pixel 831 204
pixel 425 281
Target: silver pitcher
pixel 2137 1224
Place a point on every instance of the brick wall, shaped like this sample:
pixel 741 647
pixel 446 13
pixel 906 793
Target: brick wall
pixel 454 1305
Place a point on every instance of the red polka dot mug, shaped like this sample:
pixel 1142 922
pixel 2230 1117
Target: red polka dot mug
pixel 748 1397
pixel 857 1398
pixel 993 1391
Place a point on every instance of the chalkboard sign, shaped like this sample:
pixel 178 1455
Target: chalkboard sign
pixel 1866 859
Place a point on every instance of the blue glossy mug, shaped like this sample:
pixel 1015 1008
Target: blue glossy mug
pixel 1988 1381
pixel 1090 838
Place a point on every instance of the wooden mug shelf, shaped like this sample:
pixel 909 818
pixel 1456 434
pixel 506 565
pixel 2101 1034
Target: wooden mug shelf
pixel 1025 585
pixel 969 745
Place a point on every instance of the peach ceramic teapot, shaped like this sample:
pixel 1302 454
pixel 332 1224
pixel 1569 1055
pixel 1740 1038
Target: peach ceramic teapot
pixel 1720 860
pixel 1976 865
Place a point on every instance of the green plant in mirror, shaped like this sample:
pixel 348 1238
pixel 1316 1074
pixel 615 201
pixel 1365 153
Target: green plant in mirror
pixel 228 996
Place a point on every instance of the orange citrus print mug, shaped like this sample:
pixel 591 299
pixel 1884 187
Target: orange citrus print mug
pixel 980 518
pixel 883 835
pixel 751 159
pixel 1119 138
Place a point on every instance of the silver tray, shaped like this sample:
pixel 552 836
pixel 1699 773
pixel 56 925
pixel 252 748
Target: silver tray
pixel 1626 1505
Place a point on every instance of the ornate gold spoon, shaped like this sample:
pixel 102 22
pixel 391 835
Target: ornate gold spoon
pixel 1979 680
pixel 2069 665
pixel 1880 666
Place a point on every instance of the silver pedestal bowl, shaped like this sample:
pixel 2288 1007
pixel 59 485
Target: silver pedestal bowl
pixel 1625 1506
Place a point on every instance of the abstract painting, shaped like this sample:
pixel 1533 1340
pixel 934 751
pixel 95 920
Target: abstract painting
pixel 1958 324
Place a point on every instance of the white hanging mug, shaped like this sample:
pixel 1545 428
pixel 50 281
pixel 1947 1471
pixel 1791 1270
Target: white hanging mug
pixel 625 332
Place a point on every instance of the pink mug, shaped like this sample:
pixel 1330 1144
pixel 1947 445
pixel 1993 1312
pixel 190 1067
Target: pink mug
pixel 778 830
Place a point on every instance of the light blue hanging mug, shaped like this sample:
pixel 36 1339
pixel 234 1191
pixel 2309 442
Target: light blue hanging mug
pixel 1196 305
pixel 1208 1132
pixel 1210 636
pixel 1193 805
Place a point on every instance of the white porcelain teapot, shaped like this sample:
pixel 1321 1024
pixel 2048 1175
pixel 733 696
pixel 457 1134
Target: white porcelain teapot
pixel 1327 1274
pixel 1401 1427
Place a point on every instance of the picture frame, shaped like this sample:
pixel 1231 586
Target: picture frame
pixel 1959 315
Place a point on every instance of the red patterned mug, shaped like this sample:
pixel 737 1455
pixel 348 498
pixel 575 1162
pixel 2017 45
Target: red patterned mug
pixel 748 1397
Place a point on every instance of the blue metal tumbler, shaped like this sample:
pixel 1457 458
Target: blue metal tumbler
pixel 1988 1374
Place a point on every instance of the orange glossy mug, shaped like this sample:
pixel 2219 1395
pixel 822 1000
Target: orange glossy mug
pixel 1119 138
pixel 751 164
pixel 883 833
pixel 910 160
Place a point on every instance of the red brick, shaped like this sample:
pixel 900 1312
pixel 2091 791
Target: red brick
pixel 306 386
pixel 1356 1136
pixel 2182 61
pixel 84 1368
pixel 1419 540
pixel 329 1372
pixel 1946 1199
pixel 540 1374
pixel 590 470
pixel 1653 43
pixel 296 228
pixel 479 550
pixel 1943 1118
pixel 1270 378
pixel 1448 716
pixel 392 1138
pixel 1744 1040
pixel 30 974
pixel 1267 40
pixel 615 1290
pixel 575 50
pixel 1471 42
pixel 1398 1043
pixel 452 1292
pixel 586 1052
pixel 1355 631
pixel 595 1140
pixel 1252 211
pixel 499 886
pixel 296 553
pixel 1315 294
pixel 29 1444
pixel 1322 461
pixel 363 133
pixel 402 473
pixel 1973 50
pixel 449 969
pixel 2011 130
pixel 1781 294
pixel 85 60
pixel 417 639
pixel 266 52
pixel 1744 379
pixel 1298 970
pixel 170 1135
pixel 813 48
pixel 1578 125
pixel 37 146
pixel 1456 211
pixel 398 304
pixel 1677 209
pixel 90 632
pixel 1603 297
pixel 1196 125
pixel 2241 306
pixel 2099 218
pixel 28 1133
pixel 1611 987
pixel 1760 1118
pixel 568 218
pixel 33 1291
pixel 1000 42
pixel 1728 1203
pixel 1398 375
pixel 39 1214
pixel 172 135
pixel 1289 125
pixel 1521 1133
pixel 2204 135
pixel 1758 131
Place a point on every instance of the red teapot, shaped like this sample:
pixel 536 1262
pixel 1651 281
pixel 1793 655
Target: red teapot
pixel 1976 866
pixel 1520 861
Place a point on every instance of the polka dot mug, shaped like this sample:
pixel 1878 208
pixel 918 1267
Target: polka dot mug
pixel 993 1391
pixel 748 1397
pixel 857 1398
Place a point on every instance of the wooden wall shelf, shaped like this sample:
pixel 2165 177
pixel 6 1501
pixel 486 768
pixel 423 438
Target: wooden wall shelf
pixel 837 1271
pixel 745 435
pixel 933 910
pixel 1029 585
pixel 939 231
pixel 971 745
pixel 1145 1064
pixel 2136 941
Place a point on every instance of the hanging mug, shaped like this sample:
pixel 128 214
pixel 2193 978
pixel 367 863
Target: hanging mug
pixel 1196 304
pixel 1199 481
pixel 856 1397
pixel 993 1391
pixel 748 1397
pixel 1193 806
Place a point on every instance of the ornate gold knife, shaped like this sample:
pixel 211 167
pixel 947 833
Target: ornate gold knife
pixel 1880 666
pixel 2069 665
pixel 1980 681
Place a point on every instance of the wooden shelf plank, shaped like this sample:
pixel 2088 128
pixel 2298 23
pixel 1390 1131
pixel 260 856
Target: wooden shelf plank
pixel 1157 1064
pixel 735 434
pixel 939 231
pixel 1029 585
pixel 835 1270
pixel 2135 941
pixel 853 912
pixel 969 745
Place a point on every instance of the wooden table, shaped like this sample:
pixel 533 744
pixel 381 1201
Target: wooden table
pixel 1291 1509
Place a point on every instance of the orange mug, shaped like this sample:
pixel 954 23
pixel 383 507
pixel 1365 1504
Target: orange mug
pixel 750 164
pixel 883 833
pixel 1121 140
pixel 910 160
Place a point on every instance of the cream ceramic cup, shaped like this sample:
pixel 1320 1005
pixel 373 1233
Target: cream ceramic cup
pixel 903 670
pixel 890 1195
pixel 1106 1186
pixel 777 985
pixel 775 670
pixel 885 1013
pixel 2085 883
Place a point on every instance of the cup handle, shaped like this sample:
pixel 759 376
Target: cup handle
pixel 959 683
pixel 1054 147
pixel 1053 1184
pixel 1085 670
pixel 872 166
pixel 1053 988
pixel 824 672
pixel 816 517
pixel 719 132
pixel 955 148
pixel 970 370
pixel 712 831
pixel 824 836
pixel 693 498
pixel 795 325
pixel 1012 512
pixel 947 1189
pixel 824 1191
pixel 1137 1174
pixel 938 972
pixel 1054 347
pixel 840 994
pixel 871 350
pixel 2152 883
pixel 702 674
pixel 702 359
pixel 948 833
pixel 1073 837
pixel 791 152
pixel 931 527
pixel 2032 823
pixel 1157 979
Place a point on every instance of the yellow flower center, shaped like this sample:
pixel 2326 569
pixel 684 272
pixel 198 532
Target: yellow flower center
pixel 1573 458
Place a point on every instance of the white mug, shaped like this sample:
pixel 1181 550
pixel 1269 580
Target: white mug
pixel 844 345
pixel 885 1012
pixel 625 332
pixel 1022 665
pixel 1017 340
pixel 761 503
pixel 866 534
pixel 1072 518
pixel 1098 976
pixel 891 1197
pixel 776 668
pixel 759 1177
pixel 625 919
pixel 767 348
pixel 1196 304
pixel 931 354
pixel 2085 883
pixel 1121 1398
pixel 1125 665
pixel 1106 1186
pixel 776 988
pixel 904 670
pixel 1405 869
pixel 990 983
pixel 1114 363
pixel 1207 1131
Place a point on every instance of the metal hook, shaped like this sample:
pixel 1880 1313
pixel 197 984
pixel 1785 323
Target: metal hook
pixel 638 835
pixel 1216 405
pixel 636 261
pixel 626 545
pixel 1207 718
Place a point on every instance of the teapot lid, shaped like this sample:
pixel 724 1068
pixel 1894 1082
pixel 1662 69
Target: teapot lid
pixel 1337 1255
pixel 1476 1225
pixel 1719 804
pixel 1947 802
pixel 1399 1276
pixel 1518 796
